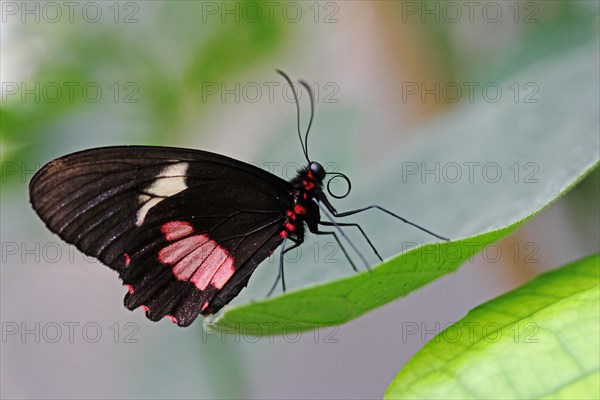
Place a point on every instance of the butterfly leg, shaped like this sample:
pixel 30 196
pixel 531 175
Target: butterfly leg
pixel 337 239
pixel 326 223
pixel 341 232
pixel 280 275
pixel 332 209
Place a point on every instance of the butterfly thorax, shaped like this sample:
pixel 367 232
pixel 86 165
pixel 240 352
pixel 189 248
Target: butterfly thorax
pixel 306 187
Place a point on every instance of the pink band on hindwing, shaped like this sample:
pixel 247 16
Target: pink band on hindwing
pixel 195 258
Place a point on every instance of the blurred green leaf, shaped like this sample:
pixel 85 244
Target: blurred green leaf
pixel 163 74
pixel 538 341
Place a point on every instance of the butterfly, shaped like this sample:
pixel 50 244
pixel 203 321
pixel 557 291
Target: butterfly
pixel 185 229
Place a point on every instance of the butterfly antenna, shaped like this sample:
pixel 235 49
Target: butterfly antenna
pixel 312 114
pixel 297 112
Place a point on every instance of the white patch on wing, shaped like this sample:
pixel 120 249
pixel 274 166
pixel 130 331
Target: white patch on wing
pixel 170 181
pixel 141 214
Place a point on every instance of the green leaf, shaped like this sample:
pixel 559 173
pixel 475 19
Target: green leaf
pixel 538 341
pixel 558 135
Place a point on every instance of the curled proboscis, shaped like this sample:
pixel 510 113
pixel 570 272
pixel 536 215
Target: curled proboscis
pixel 334 176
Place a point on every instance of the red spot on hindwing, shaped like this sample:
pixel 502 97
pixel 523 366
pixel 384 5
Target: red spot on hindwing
pixel 127 260
pixel 204 306
pixel 290 227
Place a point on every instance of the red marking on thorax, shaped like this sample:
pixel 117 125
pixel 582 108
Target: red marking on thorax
pixel 299 209
pixel 196 258
pixel 308 185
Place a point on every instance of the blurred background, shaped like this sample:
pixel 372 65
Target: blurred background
pixel 401 88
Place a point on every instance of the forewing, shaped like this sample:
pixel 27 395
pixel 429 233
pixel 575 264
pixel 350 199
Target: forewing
pixel 95 199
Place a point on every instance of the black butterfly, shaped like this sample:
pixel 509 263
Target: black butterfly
pixel 185 229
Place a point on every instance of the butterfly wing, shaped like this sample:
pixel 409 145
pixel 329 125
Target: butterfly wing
pixel 115 204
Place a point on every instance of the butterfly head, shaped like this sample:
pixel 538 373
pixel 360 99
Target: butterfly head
pixel 317 170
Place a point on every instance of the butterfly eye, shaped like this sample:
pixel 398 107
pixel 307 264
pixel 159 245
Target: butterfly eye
pixel 317 170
